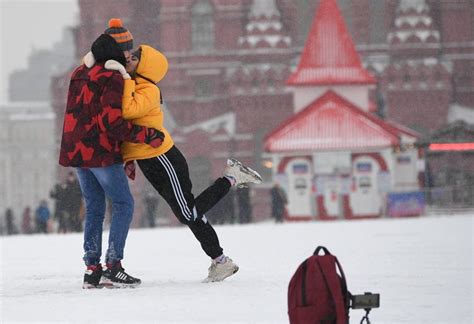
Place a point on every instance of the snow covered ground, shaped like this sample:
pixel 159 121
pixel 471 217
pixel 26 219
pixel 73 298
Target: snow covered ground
pixel 422 267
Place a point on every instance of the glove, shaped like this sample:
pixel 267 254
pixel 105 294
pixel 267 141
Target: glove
pixel 154 137
pixel 129 168
pixel 114 65
pixel 89 60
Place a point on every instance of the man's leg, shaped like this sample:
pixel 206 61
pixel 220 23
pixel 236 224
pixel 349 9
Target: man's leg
pixel 94 216
pixel 115 184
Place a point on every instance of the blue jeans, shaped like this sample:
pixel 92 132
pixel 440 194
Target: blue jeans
pixel 96 184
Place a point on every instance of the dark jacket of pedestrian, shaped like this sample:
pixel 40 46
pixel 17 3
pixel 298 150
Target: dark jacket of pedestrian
pixel 245 206
pixel 73 196
pixel 279 201
pixel 59 194
pixel 10 222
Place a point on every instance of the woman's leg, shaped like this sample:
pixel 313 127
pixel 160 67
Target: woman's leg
pixel 169 175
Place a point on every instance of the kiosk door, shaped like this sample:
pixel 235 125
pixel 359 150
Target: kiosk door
pixel 365 199
pixel 299 188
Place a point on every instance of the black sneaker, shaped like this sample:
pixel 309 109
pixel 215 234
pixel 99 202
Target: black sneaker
pixel 116 277
pixel 92 277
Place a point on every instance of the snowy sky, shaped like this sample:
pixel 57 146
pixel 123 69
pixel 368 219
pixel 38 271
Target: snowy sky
pixel 27 24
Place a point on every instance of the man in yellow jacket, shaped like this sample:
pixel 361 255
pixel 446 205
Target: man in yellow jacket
pixel 165 167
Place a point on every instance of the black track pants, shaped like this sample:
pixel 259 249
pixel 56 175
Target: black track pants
pixel 169 175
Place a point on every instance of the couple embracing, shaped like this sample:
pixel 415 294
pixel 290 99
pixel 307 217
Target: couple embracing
pixel 113 116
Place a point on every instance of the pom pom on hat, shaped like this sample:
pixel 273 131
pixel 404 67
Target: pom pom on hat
pixel 115 23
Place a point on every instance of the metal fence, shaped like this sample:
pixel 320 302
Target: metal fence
pixel 449 199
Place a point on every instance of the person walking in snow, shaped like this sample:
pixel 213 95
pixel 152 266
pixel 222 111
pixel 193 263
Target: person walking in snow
pixel 26 221
pixel 73 199
pixel 245 206
pixel 10 222
pixel 58 194
pixel 93 132
pixel 279 202
pixel 151 206
pixel 165 167
pixel 42 217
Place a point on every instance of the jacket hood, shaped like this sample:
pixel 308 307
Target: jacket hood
pixel 153 64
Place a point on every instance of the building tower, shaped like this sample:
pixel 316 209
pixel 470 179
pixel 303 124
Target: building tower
pixel 417 81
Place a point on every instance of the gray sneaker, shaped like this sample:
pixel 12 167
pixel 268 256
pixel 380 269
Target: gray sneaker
pixel 220 271
pixel 241 173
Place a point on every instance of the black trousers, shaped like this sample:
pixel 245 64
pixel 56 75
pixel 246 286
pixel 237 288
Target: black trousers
pixel 169 175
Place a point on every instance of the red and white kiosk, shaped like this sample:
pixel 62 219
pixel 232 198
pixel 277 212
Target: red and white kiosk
pixel 334 157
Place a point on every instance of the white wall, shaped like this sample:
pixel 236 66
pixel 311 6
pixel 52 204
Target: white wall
pixel 28 159
pixel 356 94
pixel 405 175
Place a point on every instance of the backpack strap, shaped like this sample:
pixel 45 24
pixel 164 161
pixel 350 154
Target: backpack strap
pixel 344 285
pixel 304 267
pixel 319 248
pixel 326 265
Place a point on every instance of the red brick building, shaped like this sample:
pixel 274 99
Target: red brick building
pixel 230 60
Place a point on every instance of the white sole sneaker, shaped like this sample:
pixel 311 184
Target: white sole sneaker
pixel 220 271
pixel 241 173
pixel 86 285
pixel 107 283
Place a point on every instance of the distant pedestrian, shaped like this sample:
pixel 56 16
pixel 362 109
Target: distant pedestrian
pixel 151 205
pixel 42 215
pixel 10 222
pixel 227 207
pixel 279 201
pixel 245 207
pixel 73 196
pixel 58 194
pixel 26 221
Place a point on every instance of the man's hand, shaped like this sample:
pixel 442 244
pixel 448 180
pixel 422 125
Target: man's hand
pixel 154 137
pixel 114 65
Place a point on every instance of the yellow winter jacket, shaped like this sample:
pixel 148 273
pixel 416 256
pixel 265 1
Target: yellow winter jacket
pixel 141 103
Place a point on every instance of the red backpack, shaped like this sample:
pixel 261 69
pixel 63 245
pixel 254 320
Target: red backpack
pixel 317 293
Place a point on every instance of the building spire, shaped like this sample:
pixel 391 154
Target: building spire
pixel 329 55
pixel 417 5
pixel 264 28
pixel 413 24
pixel 264 8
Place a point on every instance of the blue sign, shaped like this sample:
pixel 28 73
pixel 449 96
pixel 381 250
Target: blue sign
pixel 300 168
pixel 403 204
pixel 364 167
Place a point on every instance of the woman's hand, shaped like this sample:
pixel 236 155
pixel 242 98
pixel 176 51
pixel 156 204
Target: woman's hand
pixel 114 65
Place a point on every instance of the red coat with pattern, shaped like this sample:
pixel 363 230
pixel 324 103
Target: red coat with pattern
pixel 93 125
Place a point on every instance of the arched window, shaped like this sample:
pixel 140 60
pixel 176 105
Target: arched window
pixel 202 25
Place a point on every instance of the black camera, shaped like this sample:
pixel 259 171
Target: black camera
pixel 365 301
